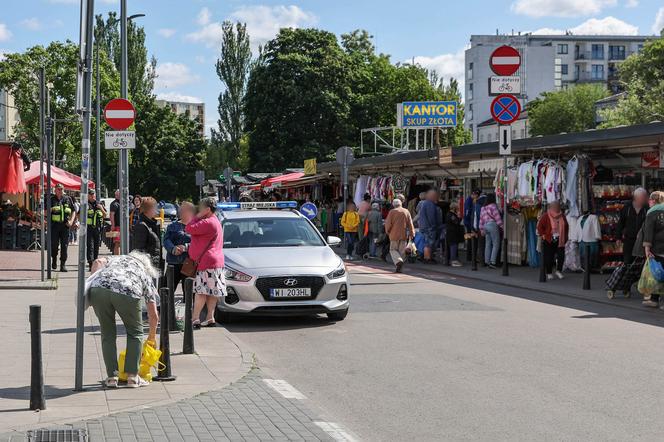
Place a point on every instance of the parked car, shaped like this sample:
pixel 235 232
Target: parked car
pixel 170 210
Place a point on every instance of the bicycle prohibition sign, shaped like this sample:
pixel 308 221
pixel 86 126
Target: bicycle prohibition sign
pixel 120 143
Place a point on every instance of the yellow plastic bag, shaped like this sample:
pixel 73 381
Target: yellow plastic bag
pixel 149 358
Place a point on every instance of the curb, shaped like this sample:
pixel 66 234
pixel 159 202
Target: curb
pixel 29 285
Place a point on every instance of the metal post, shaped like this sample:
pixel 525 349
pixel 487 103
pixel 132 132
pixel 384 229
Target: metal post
pixel 586 267
pixel 474 253
pixel 170 283
pixel 86 55
pixel 98 121
pixel 188 339
pixel 47 146
pixel 506 271
pixel 41 175
pixel 542 273
pixel 37 401
pixel 124 155
pixel 164 343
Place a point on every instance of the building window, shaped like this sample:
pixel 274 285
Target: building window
pixel 639 48
pixel 564 69
pixel 597 52
pixel 523 133
pixel 577 72
pixel 470 70
pixel 616 52
pixel 470 91
pixel 597 72
pixel 481 138
pixel 563 49
pixel 470 112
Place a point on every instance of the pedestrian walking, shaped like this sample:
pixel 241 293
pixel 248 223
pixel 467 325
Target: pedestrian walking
pixel 135 214
pixel 491 225
pixel 430 224
pixel 400 229
pixel 350 222
pixel 653 238
pixel 552 227
pixel 206 249
pixel 147 233
pixel 177 240
pixel 62 218
pixel 375 228
pixel 453 233
pixel 632 217
pixel 118 285
pixel 114 211
pixel 94 224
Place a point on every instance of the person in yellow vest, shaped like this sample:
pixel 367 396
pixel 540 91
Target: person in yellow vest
pixel 350 221
pixel 62 218
pixel 94 223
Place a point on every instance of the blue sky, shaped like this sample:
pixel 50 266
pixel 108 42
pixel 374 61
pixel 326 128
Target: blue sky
pixel 184 34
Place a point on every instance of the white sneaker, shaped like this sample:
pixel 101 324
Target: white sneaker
pixel 136 381
pixel 549 276
pixel 456 264
pixel 560 275
pixel 111 382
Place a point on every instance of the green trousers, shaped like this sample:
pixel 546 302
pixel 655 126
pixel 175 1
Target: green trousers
pixel 106 303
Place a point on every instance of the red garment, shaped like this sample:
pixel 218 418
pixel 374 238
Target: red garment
pixel 545 230
pixel 11 170
pixel 203 231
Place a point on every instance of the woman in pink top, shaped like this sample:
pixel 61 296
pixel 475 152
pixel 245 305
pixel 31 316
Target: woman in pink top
pixel 206 248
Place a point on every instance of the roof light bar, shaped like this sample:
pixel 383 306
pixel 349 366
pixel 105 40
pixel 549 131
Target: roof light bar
pixel 257 205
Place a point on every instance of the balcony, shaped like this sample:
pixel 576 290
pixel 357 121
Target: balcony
pixel 589 77
pixel 588 56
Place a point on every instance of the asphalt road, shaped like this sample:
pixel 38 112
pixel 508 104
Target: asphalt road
pixel 432 358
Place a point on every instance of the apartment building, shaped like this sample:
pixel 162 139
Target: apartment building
pixel 196 111
pixel 9 117
pixel 548 63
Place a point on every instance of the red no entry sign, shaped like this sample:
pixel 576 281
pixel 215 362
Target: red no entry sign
pixel 119 113
pixel 505 109
pixel 505 60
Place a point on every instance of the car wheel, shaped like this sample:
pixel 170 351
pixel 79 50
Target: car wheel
pixel 338 316
pixel 223 317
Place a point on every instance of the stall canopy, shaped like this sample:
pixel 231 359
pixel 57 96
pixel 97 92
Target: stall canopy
pixel 11 170
pixel 281 179
pixel 58 176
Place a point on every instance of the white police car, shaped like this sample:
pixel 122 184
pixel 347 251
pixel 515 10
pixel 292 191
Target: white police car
pixel 277 263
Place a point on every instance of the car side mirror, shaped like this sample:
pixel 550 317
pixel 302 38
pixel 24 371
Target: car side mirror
pixel 333 240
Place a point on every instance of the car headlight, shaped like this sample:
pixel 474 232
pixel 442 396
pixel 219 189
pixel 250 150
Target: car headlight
pixel 235 275
pixel 338 272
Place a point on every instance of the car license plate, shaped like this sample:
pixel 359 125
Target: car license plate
pixel 290 293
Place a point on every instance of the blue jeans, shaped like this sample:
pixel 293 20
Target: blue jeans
pixel 372 244
pixel 454 251
pixel 351 238
pixel 491 242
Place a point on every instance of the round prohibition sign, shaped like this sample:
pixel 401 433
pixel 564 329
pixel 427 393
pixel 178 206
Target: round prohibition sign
pixel 505 109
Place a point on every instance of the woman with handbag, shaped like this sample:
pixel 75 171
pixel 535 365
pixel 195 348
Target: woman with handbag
pixel 206 259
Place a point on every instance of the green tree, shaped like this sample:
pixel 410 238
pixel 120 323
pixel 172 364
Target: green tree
pixel 643 77
pixel 567 110
pixel 298 100
pixel 233 68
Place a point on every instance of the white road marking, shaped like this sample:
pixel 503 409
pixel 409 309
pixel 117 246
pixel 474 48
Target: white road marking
pixel 284 388
pixel 120 113
pixel 335 431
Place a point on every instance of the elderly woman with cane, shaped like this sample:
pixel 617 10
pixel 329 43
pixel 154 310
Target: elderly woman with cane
pixel 117 286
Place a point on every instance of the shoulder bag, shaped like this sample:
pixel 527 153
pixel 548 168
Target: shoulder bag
pixel 189 266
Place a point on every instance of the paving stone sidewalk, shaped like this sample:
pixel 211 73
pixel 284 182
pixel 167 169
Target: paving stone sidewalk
pixel 247 410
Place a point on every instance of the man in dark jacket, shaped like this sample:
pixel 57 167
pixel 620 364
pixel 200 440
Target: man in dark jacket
pixel 147 233
pixel 62 216
pixel 176 240
pixel 94 223
pixel 632 217
pixel 431 223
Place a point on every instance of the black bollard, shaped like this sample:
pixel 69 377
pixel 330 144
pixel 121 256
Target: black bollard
pixel 506 270
pixel 37 400
pixel 188 341
pixel 469 250
pixel 164 372
pixel 586 267
pixel 170 283
pixel 446 253
pixel 474 257
pixel 542 274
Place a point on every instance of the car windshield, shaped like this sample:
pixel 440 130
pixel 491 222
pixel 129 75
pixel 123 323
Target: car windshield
pixel 269 232
pixel 168 206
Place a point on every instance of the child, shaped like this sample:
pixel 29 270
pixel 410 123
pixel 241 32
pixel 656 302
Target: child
pixel 350 221
pixel 453 233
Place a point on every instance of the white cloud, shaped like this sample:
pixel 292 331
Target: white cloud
pixel 595 26
pixel 166 32
pixel 560 8
pixel 659 22
pixel 171 75
pixel 204 17
pixel 5 33
pixel 200 59
pixel 631 3
pixel 263 23
pixel 176 96
pixel 446 66
pixel 32 23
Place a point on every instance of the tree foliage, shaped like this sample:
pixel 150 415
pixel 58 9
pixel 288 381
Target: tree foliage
pixel 233 68
pixel 567 110
pixel 308 95
pixel 643 77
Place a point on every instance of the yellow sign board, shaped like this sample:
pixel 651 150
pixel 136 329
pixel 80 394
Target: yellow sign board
pixel 310 166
